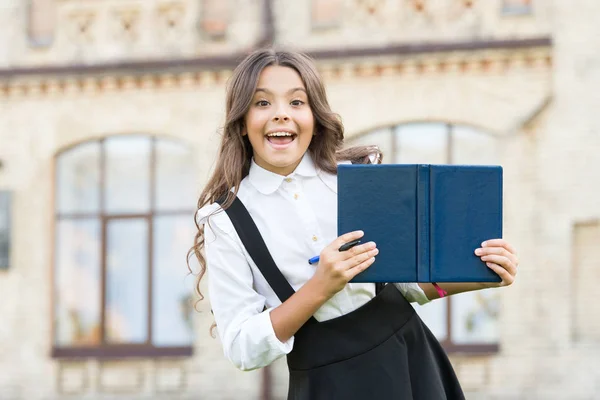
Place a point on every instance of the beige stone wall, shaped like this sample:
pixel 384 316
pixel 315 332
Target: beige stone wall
pixel 365 22
pixel 114 30
pixel 33 129
pixel 541 102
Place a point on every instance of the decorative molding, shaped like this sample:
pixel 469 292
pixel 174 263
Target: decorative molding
pixel 170 376
pixel 142 29
pixel 79 27
pixel 72 377
pixel 326 14
pixel 41 22
pixel 126 25
pixel 408 19
pixel 214 18
pixel 119 377
pixel 473 372
pixel 369 11
pixel 170 22
pixel 463 63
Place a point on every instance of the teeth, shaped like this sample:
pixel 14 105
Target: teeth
pixel 280 134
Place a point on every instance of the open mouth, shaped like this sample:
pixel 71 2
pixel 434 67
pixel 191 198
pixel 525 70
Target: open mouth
pixel 281 138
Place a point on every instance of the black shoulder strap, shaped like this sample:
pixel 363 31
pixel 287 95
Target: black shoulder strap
pixel 256 247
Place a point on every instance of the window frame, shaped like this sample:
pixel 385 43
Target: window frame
pixel 8 198
pixel 105 350
pixel 447 343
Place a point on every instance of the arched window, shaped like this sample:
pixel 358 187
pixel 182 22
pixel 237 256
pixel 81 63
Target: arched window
pixel 468 321
pixel 123 224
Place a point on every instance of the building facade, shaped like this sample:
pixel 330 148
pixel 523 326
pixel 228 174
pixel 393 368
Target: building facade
pixel 109 119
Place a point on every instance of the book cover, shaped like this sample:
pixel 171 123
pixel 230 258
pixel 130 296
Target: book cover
pixel 426 219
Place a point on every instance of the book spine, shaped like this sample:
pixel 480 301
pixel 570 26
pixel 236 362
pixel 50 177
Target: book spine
pixel 423 218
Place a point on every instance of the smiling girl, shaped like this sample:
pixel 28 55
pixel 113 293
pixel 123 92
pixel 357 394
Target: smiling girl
pixel 269 206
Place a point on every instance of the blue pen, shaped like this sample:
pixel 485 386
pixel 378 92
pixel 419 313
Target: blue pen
pixel 344 247
pixel 313 260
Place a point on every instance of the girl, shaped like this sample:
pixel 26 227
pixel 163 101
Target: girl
pixel 275 179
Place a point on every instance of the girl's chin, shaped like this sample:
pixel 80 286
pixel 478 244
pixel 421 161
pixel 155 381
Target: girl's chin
pixel 284 154
pixel 283 165
pixel 283 162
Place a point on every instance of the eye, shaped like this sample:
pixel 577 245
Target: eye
pixel 262 103
pixel 297 102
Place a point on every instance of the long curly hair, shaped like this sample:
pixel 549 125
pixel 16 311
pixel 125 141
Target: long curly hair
pixel 235 152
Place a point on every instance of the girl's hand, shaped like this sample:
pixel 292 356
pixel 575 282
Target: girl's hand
pixel 501 258
pixel 336 267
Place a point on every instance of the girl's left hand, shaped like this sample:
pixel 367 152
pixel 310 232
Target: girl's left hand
pixel 501 258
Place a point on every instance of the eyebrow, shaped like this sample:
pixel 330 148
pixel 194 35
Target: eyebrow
pixel 292 90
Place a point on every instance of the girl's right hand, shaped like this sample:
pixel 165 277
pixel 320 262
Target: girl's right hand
pixel 336 268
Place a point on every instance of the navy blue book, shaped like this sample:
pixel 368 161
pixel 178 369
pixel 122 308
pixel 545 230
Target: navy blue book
pixel 427 220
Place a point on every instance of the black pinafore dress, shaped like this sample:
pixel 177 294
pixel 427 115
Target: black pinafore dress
pixel 379 351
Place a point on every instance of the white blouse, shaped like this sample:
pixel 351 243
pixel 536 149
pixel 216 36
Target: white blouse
pixel 297 217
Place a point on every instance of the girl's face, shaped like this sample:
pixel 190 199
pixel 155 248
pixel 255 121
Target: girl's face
pixel 279 123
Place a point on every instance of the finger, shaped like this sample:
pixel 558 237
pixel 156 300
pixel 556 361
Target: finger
pixel 345 238
pixel 498 251
pixel 352 272
pixel 502 261
pixel 357 250
pixel 507 279
pixel 499 243
pixel 360 258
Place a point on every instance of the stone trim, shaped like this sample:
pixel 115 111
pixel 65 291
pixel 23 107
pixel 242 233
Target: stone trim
pixel 492 62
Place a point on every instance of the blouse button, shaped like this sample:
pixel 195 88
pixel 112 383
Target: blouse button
pixel 288 180
pixel 296 196
pixel 314 238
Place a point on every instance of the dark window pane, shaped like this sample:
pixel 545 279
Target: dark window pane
pixel 175 184
pixel 77 282
pixel 127 174
pixel 172 301
pixel 127 281
pixel 78 179
pixel 5 211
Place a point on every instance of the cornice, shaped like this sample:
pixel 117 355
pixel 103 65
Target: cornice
pixel 441 58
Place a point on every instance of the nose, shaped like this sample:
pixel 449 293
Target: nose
pixel 281 115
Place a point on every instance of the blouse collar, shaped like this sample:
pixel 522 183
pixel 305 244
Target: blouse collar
pixel 268 182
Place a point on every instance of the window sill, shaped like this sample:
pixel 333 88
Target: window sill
pixel 120 352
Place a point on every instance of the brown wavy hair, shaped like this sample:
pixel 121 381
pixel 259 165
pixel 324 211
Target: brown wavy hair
pixel 235 151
